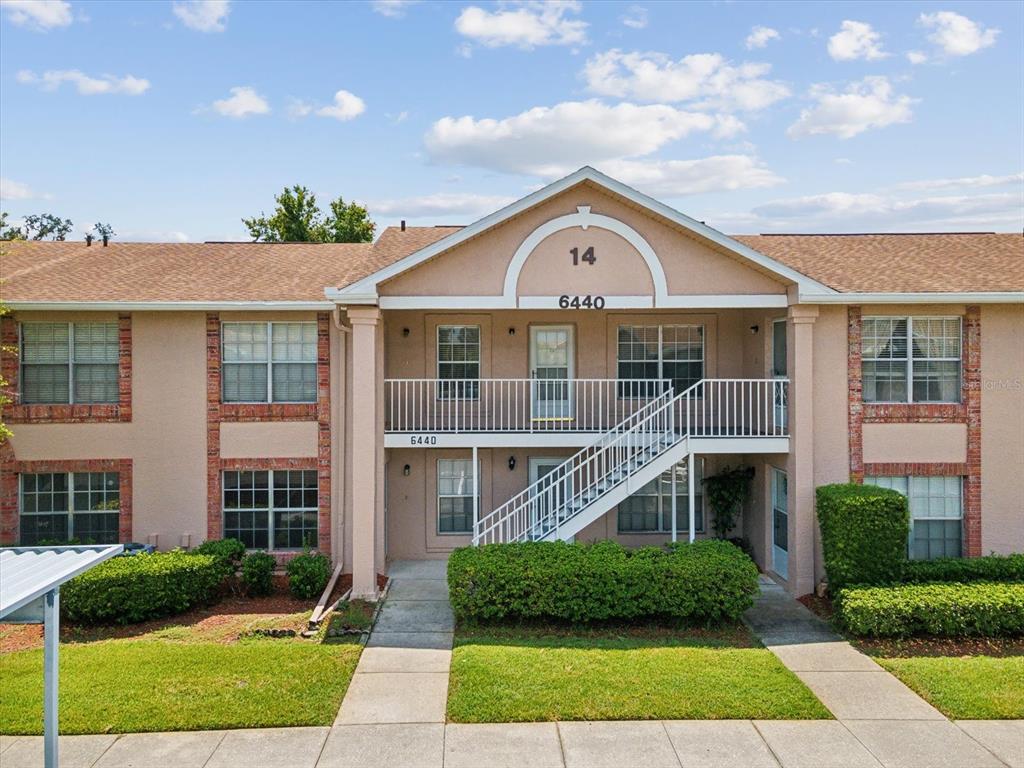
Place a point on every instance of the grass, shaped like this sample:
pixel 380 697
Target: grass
pixel 188 676
pixel 500 675
pixel 965 688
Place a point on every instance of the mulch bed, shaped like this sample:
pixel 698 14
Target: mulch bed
pixel 820 606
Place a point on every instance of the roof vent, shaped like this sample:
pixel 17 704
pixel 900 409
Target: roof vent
pixel 403 225
pixel 88 240
pixel 106 239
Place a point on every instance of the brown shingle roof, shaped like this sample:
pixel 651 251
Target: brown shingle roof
pixel 212 272
pixel 901 263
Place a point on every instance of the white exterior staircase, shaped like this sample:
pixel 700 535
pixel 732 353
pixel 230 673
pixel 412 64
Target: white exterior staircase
pixel 631 454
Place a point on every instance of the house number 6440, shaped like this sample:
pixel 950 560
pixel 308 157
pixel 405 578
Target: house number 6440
pixel 587 256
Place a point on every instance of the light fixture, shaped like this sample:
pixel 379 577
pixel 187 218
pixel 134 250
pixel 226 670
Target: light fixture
pixel 511 331
pixel 405 331
pixel 406 470
pixel 754 329
pixel 511 463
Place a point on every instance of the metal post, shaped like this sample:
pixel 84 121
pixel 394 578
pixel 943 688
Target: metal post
pixel 51 642
pixel 693 501
pixel 476 495
pixel 675 525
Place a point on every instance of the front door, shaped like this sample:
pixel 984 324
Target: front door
pixel 544 497
pixel 551 372
pixel 780 523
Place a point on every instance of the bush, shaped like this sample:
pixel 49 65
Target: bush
pixel 864 532
pixel 126 590
pixel 944 610
pixel 991 568
pixel 707 582
pixel 228 551
pixel 308 574
pixel 258 573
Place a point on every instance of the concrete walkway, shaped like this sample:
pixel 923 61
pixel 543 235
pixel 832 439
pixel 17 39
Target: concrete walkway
pixel 402 675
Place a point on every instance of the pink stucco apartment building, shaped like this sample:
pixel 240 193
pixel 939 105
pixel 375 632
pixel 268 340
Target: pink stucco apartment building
pixel 570 366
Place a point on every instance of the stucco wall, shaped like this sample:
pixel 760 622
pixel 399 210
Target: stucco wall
pixel 915 443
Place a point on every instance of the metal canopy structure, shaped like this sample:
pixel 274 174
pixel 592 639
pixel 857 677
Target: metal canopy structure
pixel 30 579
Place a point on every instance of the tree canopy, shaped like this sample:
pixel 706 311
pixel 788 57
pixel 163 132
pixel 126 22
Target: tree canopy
pixel 298 219
pixel 36 226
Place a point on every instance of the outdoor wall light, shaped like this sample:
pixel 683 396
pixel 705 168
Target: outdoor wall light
pixel 511 331
pixel 511 463
pixel 405 331
pixel 406 470
pixel 754 329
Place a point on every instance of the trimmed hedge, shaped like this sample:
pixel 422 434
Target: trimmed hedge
pixel 258 573
pixel 229 551
pixel 308 575
pixel 707 582
pixel 126 590
pixel 941 610
pixel 964 570
pixel 864 532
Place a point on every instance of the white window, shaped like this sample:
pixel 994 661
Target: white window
pixel 458 361
pixel 69 363
pixel 61 506
pixel 936 513
pixel 673 352
pixel 911 359
pixel 455 496
pixel 649 510
pixel 279 507
pixel 269 362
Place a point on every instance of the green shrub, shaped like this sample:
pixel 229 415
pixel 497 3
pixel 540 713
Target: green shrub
pixel 258 573
pixel 308 574
pixel 864 532
pixel 706 582
pixel 228 551
pixel 966 569
pixel 126 590
pixel 944 610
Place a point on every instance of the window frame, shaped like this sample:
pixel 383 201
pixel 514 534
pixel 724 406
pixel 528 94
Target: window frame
pixel 910 359
pixel 439 496
pixel 661 351
pixel 71 363
pixel 69 511
pixel 268 362
pixel 868 480
pixel 683 513
pixel 464 392
pixel 271 508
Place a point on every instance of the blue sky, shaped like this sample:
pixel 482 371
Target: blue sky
pixel 172 120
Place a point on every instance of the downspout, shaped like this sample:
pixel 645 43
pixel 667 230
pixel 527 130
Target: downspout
pixel 339 468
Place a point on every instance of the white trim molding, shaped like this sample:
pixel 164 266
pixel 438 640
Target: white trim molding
pixel 168 306
pixel 681 301
pixel 994 297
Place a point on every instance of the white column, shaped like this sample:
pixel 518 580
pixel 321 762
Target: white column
pixel 476 493
pixel 366 443
pixel 675 524
pixel 51 643
pixel 692 496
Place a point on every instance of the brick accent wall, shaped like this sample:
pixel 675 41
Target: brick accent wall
pixel 218 412
pixel 10 468
pixel 77 413
pixel 967 411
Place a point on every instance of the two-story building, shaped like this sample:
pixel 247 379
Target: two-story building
pixel 571 366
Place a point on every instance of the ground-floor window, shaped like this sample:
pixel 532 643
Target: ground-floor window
pixel 272 509
pixel 455 496
pixel 58 506
pixel 936 513
pixel 649 510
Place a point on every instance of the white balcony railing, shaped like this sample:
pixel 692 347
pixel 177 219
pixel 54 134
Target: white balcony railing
pixel 715 407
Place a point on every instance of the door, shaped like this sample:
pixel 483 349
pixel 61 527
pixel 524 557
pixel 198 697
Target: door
pixel 545 497
pixel 780 523
pixel 779 370
pixel 551 371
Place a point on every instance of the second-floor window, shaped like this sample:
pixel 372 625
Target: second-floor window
pixel 458 359
pixel 674 352
pixel 269 362
pixel 911 359
pixel 69 363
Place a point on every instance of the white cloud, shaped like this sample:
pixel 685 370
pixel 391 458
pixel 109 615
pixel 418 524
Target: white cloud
pixel 393 9
pixel 957 35
pixel 550 141
pixel 242 102
pixel 856 40
pixel 760 36
pixel 40 15
pixel 441 204
pixel 677 178
pixel 965 182
pixel 525 25
pixel 707 78
pixel 203 15
pixel 636 17
pixel 867 103
pixel 51 80
pixel 16 190
pixel 346 106
pixel 917 57
pixel 843 161
pixel 298 108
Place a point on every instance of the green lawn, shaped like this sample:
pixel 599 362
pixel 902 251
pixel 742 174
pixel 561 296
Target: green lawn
pixel 533 675
pixel 157 684
pixel 968 687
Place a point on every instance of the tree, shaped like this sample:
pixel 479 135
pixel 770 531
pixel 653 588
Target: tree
pixel 36 226
pixel 298 219
pixel 103 230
